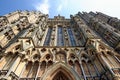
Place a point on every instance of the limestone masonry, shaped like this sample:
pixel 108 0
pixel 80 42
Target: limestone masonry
pixel 35 47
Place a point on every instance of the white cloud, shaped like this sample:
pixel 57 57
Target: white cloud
pixel 62 4
pixel 110 7
pixel 43 7
pixel 66 7
pixel 59 8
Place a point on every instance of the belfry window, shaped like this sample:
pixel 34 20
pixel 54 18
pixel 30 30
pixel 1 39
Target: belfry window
pixel 71 37
pixel 60 41
pixel 48 36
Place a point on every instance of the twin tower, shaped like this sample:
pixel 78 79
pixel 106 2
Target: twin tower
pixel 84 47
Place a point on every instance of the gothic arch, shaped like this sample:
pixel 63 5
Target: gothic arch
pixel 46 57
pixel 83 55
pixel 82 52
pixel 60 75
pixel 71 56
pixel 58 68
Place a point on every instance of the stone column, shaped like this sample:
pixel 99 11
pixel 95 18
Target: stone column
pixel 20 68
pixel 14 65
pixel 83 71
pixel 55 43
pixel 109 67
pixel 37 71
pixel 24 67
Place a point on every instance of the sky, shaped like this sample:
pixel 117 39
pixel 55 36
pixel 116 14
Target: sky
pixel 62 7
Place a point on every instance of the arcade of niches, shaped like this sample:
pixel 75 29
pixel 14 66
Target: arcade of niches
pixel 85 46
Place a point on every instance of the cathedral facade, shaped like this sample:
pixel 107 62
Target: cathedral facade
pixel 85 46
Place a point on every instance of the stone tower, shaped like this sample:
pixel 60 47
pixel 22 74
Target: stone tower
pixel 35 47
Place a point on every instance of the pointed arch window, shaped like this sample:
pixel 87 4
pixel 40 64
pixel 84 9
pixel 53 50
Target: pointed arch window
pixel 71 37
pixel 48 36
pixel 60 40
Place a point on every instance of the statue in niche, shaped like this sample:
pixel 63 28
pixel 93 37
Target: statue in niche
pixel 60 57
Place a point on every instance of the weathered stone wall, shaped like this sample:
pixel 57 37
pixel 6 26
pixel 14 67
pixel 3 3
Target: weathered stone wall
pixel 35 47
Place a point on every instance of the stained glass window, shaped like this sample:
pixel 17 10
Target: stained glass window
pixel 71 37
pixel 60 40
pixel 48 36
